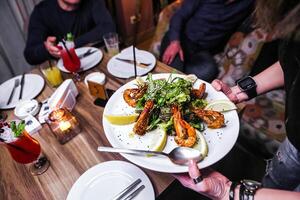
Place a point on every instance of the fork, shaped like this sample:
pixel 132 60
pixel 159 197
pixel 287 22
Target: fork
pixel 17 83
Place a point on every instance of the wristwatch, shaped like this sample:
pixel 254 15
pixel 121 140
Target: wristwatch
pixel 249 188
pixel 248 85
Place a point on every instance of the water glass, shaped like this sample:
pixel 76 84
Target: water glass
pixel 111 41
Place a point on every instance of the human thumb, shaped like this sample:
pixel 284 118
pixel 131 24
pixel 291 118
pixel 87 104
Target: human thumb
pixel 194 171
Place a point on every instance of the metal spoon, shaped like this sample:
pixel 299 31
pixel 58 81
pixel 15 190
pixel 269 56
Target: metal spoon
pixel 179 155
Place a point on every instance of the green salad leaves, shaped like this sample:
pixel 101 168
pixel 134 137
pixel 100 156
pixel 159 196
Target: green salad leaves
pixel 168 92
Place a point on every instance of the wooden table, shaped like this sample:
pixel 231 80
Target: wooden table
pixel 72 159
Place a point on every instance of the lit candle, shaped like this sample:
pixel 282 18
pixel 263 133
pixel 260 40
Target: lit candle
pixel 64 126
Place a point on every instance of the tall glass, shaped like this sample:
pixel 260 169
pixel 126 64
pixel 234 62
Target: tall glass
pixel 70 59
pixel 25 149
pixel 111 41
pixel 52 73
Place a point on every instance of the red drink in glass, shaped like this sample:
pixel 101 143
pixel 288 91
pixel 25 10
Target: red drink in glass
pixel 70 60
pixel 25 149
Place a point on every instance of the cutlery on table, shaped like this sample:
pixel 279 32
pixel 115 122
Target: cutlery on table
pixel 127 190
pixel 139 64
pixel 87 53
pixel 179 155
pixel 16 84
pixel 135 193
pixel 22 86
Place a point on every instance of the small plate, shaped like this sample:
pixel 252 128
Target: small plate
pixel 107 179
pixel 87 62
pixel 122 69
pixel 33 85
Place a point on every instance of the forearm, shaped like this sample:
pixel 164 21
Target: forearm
pixel 95 35
pixel 269 79
pixel 37 54
pixel 270 194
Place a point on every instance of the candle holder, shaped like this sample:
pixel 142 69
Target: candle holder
pixel 63 124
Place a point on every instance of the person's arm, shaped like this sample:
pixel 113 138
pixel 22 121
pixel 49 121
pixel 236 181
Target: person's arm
pixel 179 19
pixel 270 194
pixel 216 186
pixel 104 24
pixel 35 51
pixel 269 79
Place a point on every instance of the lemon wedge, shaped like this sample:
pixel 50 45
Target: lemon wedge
pixel 201 145
pixel 121 119
pixel 221 106
pixel 157 139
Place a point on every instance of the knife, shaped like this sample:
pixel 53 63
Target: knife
pixel 87 53
pixel 139 64
pixel 22 86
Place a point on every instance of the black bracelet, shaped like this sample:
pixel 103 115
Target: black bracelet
pixel 242 189
pixel 231 190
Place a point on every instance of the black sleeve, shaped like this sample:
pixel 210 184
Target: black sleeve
pixel 104 24
pixel 35 51
pixel 179 18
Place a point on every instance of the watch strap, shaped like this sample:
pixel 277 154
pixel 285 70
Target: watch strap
pixel 251 93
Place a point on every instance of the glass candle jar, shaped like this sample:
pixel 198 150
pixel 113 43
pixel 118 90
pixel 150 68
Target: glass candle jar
pixel 63 124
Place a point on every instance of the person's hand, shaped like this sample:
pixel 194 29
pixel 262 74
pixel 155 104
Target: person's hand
pixel 172 50
pixel 213 185
pixel 50 45
pixel 233 93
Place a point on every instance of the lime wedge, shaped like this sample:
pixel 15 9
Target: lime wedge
pixel 201 145
pixel 221 106
pixel 121 119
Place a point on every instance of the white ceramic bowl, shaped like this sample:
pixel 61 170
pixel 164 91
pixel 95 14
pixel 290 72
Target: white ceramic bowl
pixel 25 108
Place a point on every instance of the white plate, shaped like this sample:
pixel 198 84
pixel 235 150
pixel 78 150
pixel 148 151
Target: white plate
pixel 107 179
pixel 33 85
pixel 122 69
pixel 87 62
pixel 220 141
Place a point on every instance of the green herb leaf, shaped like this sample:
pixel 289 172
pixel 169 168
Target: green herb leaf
pixel 17 129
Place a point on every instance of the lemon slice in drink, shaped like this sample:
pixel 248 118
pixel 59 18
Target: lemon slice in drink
pixel 221 106
pixel 121 119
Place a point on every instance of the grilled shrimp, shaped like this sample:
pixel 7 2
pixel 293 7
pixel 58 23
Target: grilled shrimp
pixel 199 93
pixel 185 133
pixel 140 126
pixel 132 95
pixel 213 119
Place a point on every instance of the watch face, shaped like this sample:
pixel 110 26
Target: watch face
pixel 246 83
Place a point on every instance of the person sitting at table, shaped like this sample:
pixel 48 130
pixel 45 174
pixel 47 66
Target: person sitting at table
pixel 51 20
pixel 282 18
pixel 199 29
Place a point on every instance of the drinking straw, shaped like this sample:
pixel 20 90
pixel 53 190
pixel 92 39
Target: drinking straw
pixel 134 61
pixel 64 43
pixel 49 61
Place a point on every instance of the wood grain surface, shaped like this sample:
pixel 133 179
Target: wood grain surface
pixel 72 159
